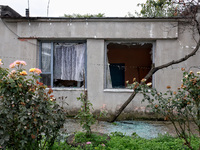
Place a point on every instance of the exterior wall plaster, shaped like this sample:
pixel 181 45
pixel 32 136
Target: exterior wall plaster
pixel 170 43
pixel 109 29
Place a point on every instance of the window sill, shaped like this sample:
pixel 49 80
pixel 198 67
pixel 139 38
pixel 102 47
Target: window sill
pixel 119 90
pixel 68 89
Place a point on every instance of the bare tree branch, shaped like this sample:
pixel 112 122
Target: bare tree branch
pixel 155 69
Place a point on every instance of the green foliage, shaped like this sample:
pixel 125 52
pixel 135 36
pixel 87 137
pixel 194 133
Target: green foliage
pixel 114 123
pixel 119 141
pixel 99 15
pixel 86 117
pixel 134 135
pixel 95 138
pixel 163 142
pixel 168 8
pixel 61 146
pixel 120 134
pixel 29 115
pixel 157 8
pixel 181 107
pixel 129 14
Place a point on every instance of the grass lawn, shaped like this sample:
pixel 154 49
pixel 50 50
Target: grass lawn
pixel 119 141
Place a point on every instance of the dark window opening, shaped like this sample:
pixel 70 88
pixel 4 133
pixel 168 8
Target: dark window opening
pixel 67 83
pixel 127 61
pixel 117 73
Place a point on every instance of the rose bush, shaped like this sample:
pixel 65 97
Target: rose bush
pixel 181 107
pixel 29 115
pixel 87 119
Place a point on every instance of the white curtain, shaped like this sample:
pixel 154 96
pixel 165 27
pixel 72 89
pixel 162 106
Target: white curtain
pixel 108 78
pixel 69 61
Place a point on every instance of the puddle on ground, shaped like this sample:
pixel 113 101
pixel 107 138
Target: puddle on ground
pixel 145 129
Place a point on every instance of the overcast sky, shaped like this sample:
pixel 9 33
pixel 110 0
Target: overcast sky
pixel 57 8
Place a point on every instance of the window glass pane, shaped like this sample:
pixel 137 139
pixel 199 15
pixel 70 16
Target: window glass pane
pixel 46 57
pixel 69 64
pixel 46 79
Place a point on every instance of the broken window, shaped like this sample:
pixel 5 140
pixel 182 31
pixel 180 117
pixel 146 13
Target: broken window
pixel 126 61
pixel 63 64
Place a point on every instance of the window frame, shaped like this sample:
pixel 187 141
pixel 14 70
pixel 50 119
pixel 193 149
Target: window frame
pixel 106 89
pixel 52 42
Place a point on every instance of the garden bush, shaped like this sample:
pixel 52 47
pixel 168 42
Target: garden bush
pixel 29 115
pixel 181 106
pixel 87 119
pixel 119 141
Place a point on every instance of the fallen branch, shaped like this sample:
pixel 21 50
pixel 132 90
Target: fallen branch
pixel 155 69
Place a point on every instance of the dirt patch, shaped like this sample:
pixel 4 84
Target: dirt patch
pixel 169 127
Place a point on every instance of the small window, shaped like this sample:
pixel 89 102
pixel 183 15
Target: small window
pixel 126 61
pixel 63 64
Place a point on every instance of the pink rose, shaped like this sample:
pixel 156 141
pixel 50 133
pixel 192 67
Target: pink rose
pixel 88 143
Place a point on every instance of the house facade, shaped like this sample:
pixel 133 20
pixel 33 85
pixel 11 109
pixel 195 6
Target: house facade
pixel 99 55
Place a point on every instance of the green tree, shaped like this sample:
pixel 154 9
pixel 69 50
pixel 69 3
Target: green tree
pixel 99 15
pixel 167 8
pixel 157 8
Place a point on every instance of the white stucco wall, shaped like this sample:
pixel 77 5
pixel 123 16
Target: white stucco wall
pixel 19 40
pixel 11 48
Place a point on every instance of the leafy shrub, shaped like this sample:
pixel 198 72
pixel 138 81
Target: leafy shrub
pixel 162 142
pixel 95 138
pixel 157 8
pixel 87 119
pixel 181 107
pixel 29 115
pixel 120 134
pixel 123 142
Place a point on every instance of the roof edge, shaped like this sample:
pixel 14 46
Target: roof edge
pixel 8 12
pixel 104 19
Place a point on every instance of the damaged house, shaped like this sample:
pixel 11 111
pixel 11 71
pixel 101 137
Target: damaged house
pixel 100 54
